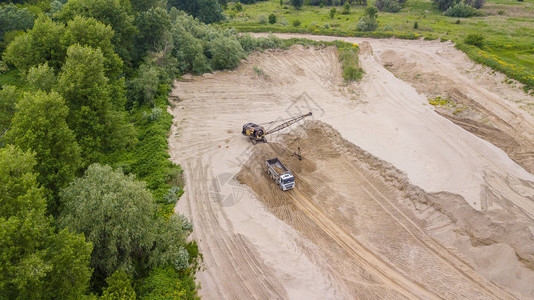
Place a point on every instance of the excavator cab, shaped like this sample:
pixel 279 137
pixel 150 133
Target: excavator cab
pixel 257 133
pixel 254 132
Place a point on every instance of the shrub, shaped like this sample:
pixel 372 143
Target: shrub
pixel 226 53
pixel 474 39
pixel 296 23
pixel 415 25
pixel 392 6
pixel 332 12
pixel 326 25
pixel 272 18
pixel 262 19
pixel 283 22
pixel 462 10
pixel 387 28
pixel 346 9
pixel 349 62
pixel 238 7
pixel 371 12
pixel 367 24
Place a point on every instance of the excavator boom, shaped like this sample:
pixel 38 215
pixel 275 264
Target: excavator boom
pixel 288 123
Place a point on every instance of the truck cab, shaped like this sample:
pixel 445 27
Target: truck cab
pixel 287 182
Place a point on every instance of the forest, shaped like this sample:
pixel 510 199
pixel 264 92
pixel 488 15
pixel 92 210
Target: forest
pixel 87 192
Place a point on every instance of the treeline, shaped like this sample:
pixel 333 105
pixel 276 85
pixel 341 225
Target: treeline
pixel 86 188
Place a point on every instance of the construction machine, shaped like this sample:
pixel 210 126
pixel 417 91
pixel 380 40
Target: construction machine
pixel 280 174
pixel 257 133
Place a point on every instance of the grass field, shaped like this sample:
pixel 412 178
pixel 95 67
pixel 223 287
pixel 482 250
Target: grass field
pixel 508 28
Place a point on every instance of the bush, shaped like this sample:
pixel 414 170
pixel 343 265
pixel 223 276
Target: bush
pixel 462 10
pixel 415 25
pixel 262 19
pixel 226 53
pixel 367 24
pixel 296 23
pixel 332 12
pixel 392 6
pixel 349 62
pixel 238 7
pixel 474 39
pixel 272 18
pixel 346 9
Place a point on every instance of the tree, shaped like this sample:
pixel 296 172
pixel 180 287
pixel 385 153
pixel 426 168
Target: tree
pixel 371 12
pixel 92 33
pixel 143 5
pixel 226 53
pixel 35 262
pixel 118 215
pixel 119 287
pixel 144 87
pixel 272 18
pixel 42 78
pixel 368 22
pixel 154 27
pixel 115 13
pixel 39 125
pixel 207 11
pixel 39 45
pixel 9 96
pixel 99 128
pixel 14 18
pixel 297 4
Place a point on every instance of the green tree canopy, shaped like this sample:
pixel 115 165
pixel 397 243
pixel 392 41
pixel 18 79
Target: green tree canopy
pixel 42 78
pixel 119 287
pixel 9 96
pixel 14 18
pixel 115 13
pixel 154 25
pixel 99 128
pixel 40 45
pixel 117 213
pixel 39 125
pixel 207 11
pixel 35 262
pixel 92 33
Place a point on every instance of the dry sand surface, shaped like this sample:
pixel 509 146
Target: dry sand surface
pixel 392 199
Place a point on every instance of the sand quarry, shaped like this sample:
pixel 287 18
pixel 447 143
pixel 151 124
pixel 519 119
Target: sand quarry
pixel 394 198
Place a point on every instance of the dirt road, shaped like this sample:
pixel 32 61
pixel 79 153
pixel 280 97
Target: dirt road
pixel 393 200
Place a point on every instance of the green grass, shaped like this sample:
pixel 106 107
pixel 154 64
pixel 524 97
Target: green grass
pixel 509 37
pixel 348 55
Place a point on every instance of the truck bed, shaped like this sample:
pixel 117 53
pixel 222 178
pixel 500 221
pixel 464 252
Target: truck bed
pixel 277 165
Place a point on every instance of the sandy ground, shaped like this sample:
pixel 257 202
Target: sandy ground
pixel 393 200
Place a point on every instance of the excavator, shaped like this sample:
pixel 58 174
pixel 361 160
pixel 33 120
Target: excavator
pixel 257 133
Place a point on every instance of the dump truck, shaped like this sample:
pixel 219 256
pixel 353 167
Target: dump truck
pixel 280 174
